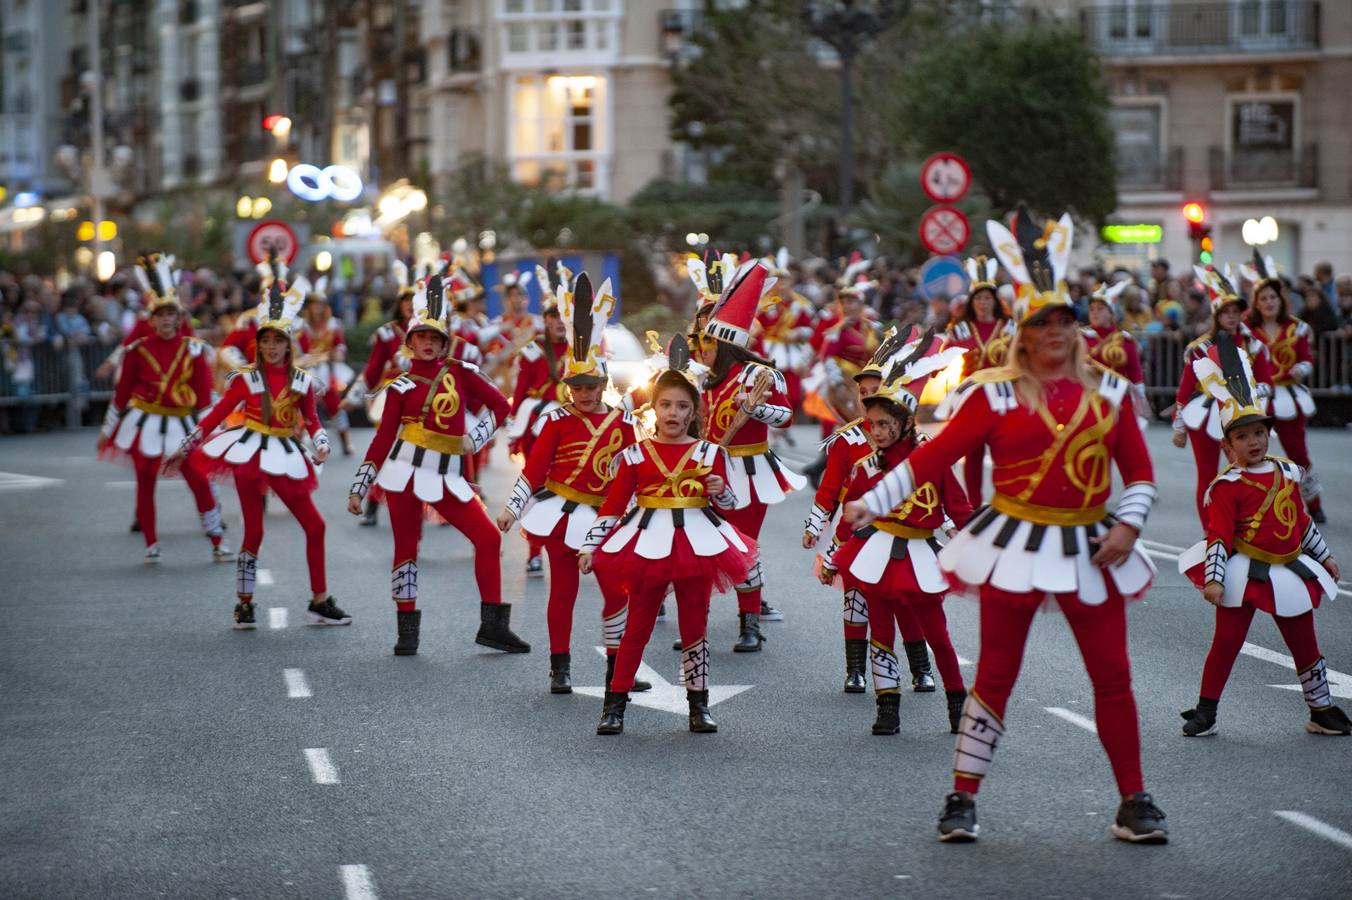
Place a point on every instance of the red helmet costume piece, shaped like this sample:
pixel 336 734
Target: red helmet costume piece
pixel 584 321
pixel 735 310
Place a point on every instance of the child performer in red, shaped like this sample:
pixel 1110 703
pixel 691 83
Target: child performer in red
pixel 849 445
pixel 1261 552
pixel 567 475
pixel 1113 347
pixel 417 458
pixel 264 453
pixel 892 565
pixel 163 388
pixel 671 539
pixel 325 358
pixel 1288 344
pixel 1053 425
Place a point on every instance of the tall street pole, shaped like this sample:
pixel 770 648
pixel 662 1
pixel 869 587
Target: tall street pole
pixel 98 175
pixel 846 133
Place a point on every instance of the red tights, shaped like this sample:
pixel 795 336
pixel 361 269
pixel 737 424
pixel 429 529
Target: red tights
pixel 470 519
pixel 148 472
pixel 907 624
pixel 1101 633
pixel 922 611
pixel 1232 626
pixel 1292 435
pixel 748 520
pixel 1206 453
pixel 692 611
pixel 297 497
pixel 564 579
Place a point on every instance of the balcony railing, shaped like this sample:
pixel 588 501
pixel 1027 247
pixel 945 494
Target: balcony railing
pixel 677 27
pixel 1295 168
pixel 1161 28
pixel 464 52
pixel 1163 173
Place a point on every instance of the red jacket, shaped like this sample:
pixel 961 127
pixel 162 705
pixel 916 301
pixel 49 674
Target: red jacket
pixel 575 450
pixel 454 387
pixel 169 373
pixel 925 509
pixel 288 411
pixel 1115 349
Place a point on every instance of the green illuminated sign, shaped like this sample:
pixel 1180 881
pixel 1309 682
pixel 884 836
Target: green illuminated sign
pixel 1133 234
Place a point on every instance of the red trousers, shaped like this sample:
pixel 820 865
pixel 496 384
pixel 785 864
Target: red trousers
pixel 470 519
pixel 1206 453
pixel 252 488
pixel 564 579
pixel 1292 435
pixel 923 610
pixel 1101 633
pixel 974 476
pixel 1232 626
pixel 692 611
pixel 148 473
pixel 748 520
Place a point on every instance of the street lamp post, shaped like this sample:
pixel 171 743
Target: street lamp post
pixel 847 25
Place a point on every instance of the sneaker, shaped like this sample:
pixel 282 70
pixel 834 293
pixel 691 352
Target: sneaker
pixel 662 612
pixel 1199 722
pixel 222 553
pixel 327 613
pixel 957 823
pixel 769 614
pixel 1329 720
pixel 244 616
pixel 152 556
pixel 135 526
pixel 535 567
pixel 1140 821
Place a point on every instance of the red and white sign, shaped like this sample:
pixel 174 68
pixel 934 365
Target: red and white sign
pixel 945 177
pixel 272 235
pixel 944 230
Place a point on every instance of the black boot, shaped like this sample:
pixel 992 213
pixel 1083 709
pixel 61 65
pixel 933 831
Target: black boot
pixel 922 676
pixel 813 473
pixel 1201 720
pixel 561 675
pixel 700 720
pixel 856 657
pixel 889 714
pixel 639 685
pixel 368 518
pixel 955 701
pixel 749 638
pixel 494 632
pixel 408 624
pixel 612 714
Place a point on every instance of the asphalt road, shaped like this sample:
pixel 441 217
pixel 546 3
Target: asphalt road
pixel 149 750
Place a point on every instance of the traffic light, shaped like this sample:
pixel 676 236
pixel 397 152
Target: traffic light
pixel 1199 230
pixel 1205 245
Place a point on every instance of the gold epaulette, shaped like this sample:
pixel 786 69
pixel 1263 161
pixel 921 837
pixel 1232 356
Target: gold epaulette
pixel 993 375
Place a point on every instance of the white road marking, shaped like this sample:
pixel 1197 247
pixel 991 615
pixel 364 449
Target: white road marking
pixel 264 577
pixel 321 767
pixel 119 485
pixel 1313 825
pixel 297 687
pixel 16 481
pixel 276 617
pixel 1073 718
pixel 665 695
pixel 1340 683
pixel 357 883
pixel 964 661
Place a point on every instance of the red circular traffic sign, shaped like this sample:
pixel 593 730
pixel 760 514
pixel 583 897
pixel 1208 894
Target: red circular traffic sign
pixel 944 230
pixel 272 235
pixel 945 177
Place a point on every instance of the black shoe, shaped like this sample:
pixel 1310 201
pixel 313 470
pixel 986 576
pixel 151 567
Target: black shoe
pixel 135 526
pixel 1330 720
pixel 244 616
pixel 662 612
pixel 327 613
pixel 749 638
pixel 639 685
pixel 368 519
pixel 922 677
pixel 1140 821
pixel 612 714
pixel 856 658
pixel 769 614
pixel 700 720
pixel 1201 721
pixel 408 624
pixel 560 674
pixel 955 701
pixel 494 619
pixel 957 823
pixel 889 714
pixel 813 473
pixel 535 567
pixel 677 645
pixel 1317 514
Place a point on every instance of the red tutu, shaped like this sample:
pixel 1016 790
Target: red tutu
pixel 1258 594
pixel 218 469
pixel 898 579
pixel 637 573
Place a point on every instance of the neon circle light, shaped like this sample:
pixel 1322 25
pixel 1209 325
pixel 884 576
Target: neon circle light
pixel 309 182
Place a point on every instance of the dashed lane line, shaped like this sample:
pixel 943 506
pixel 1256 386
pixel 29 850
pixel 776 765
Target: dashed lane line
pixel 1314 826
pixel 297 688
pixel 1073 718
pixel 264 577
pixel 357 884
pixel 277 617
pixel 321 767
pixel 17 481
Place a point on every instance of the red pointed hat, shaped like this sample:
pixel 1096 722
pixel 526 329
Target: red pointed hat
pixel 732 316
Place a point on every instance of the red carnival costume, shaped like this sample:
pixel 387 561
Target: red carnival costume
pixel 163 387
pixel 324 353
pixel 1115 349
pixel 785 321
pixel 1196 411
pixel 567 476
pixel 987 345
pixel 264 454
pixel 755 475
pixel 417 457
pixel 1032 547
pixel 890 566
pixel 1261 552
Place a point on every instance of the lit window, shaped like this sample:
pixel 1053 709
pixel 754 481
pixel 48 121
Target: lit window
pixel 558 131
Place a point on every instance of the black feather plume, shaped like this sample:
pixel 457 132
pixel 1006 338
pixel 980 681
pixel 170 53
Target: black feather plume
pixel 272 261
pixel 921 349
pixel 152 273
pixel 1260 266
pixel 714 271
pixel 582 316
pixel 678 353
pixel 436 297
pixel 1232 367
pixel 890 346
pixel 1035 256
pixel 276 302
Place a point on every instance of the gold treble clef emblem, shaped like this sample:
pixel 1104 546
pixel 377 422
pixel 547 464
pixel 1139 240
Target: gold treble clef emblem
pixel 1284 509
pixel 686 483
pixel 446 403
pixel 604 454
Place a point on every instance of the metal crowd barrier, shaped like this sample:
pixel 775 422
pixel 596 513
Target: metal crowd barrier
pixel 59 376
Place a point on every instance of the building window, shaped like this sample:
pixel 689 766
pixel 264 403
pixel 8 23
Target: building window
pixel 536 32
pixel 1138 130
pixel 559 134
